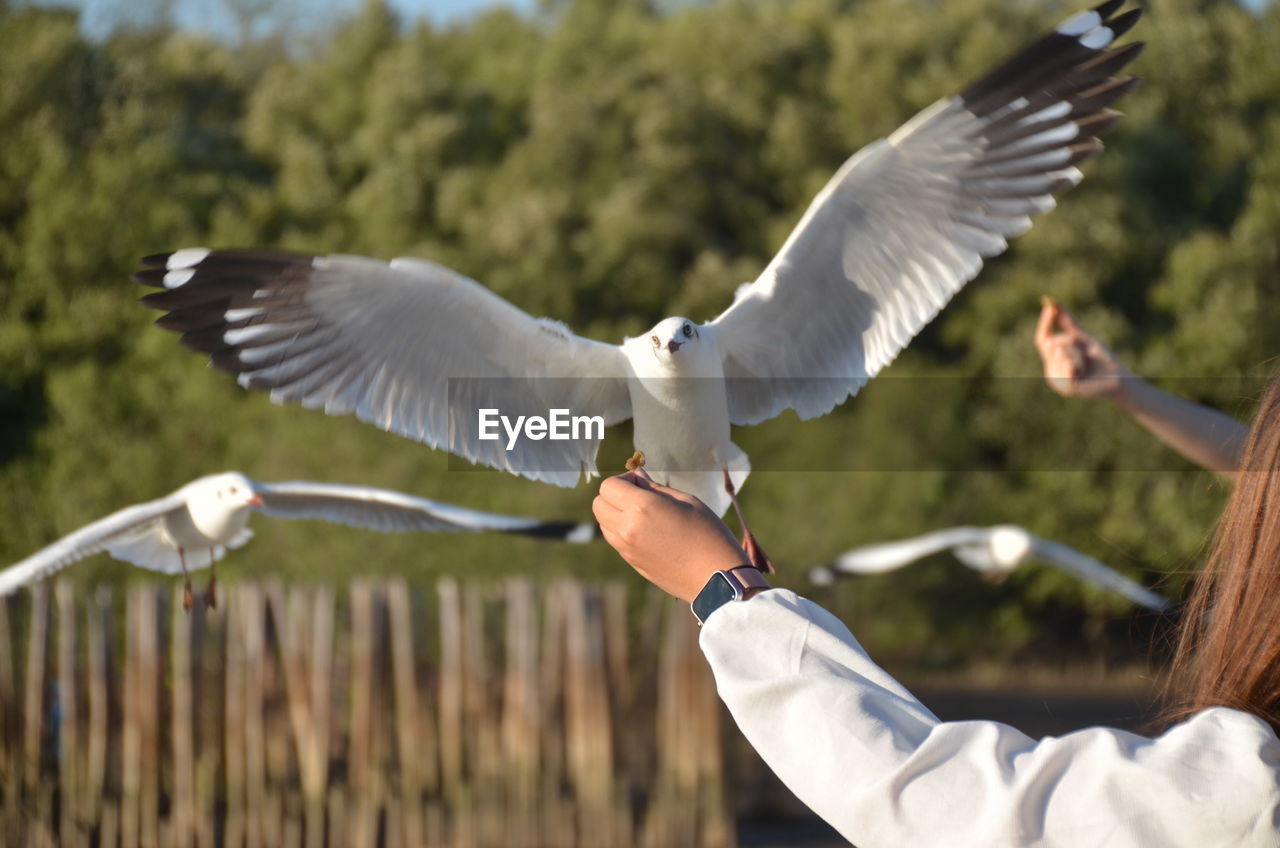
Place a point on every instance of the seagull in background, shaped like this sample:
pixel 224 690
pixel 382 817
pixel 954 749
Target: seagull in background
pixel 993 552
pixel 193 527
pixel 420 350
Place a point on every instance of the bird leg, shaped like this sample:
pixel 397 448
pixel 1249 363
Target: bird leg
pixel 186 588
pixel 755 554
pixel 211 591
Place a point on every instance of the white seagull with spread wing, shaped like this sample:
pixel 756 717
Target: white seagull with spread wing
pixel 990 551
pixel 419 349
pixel 194 526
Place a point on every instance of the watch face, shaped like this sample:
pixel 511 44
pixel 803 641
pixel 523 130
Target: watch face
pixel 718 592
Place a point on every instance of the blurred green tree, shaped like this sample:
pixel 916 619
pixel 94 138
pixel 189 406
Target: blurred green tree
pixel 605 163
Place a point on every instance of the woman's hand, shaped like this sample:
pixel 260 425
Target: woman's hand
pixel 1075 363
pixel 671 538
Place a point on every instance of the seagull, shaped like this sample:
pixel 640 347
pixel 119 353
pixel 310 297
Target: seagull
pixel 193 527
pixel 422 350
pixel 992 552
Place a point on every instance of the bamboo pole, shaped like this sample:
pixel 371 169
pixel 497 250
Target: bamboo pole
pixel 520 715
pixel 9 756
pixel 450 695
pixel 306 643
pixel 148 700
pixel 98 749
pixel 209 659
pixel 588 729
pixel 234 824
pixel 322 618
pixel 248 600
pixel 556 817
pixel 361 765
pixel 485 782
pixel 415 742
pixel 275 721
pixel 131 735
pixel 182 813
pixel 69 750
pixel 33 721
pixel 109 833
pixel 665 822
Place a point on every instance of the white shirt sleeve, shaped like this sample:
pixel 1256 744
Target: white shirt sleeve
pixel 865 755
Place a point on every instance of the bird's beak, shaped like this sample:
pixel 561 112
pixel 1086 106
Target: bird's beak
pixel 254 501
pixel 674 345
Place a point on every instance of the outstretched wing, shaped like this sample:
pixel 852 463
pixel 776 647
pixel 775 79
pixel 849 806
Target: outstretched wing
pixel 410 346
pixel 1090 570
pixel 908 220
pixel 395 512
pixel 875 559
pixel 134 534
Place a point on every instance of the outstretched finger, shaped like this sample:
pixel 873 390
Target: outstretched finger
pixel 1044 325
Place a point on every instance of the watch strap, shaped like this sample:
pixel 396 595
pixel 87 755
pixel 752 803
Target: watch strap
pixel 750 578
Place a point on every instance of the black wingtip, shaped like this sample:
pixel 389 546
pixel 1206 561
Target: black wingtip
pixel 153 277
pixel 1124 23
pixel 566 531
pixel 1105 9
pixel 156 260
pixel 1110 61
pixel 1099 122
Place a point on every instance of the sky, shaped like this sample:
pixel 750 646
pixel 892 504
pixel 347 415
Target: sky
pixel 444 11
pixel 100 16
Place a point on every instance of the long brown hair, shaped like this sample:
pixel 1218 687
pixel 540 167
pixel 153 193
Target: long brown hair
pixel 1228 648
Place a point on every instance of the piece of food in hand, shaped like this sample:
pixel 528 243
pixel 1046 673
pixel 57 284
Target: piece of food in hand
pixel 636 465
pixel 1049 303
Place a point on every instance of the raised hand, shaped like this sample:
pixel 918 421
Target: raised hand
pixel 670 537
pixel 1075 363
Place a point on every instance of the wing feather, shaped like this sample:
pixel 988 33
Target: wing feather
pixel 887 556
pixel 1089 570
pixel 395 512
pixel 410 346
pixel 908 220
pixel 136 529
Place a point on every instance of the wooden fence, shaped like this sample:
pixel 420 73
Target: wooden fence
pixel 500 715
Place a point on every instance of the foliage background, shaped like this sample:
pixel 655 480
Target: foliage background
pixel 607 163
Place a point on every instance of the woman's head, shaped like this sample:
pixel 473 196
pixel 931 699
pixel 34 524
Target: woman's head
pixel 1229 647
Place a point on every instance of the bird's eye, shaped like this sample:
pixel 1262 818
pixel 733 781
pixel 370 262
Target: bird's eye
pixel 655 341
pixel 687 330
pixel 233 490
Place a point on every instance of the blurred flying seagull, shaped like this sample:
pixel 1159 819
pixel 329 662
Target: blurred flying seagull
pixel 419 349
pixel 194 526
pixel 991 551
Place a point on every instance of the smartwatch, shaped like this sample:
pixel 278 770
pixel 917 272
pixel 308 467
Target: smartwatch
pixel 734 584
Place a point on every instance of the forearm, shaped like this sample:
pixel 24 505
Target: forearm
pixel 1205 436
